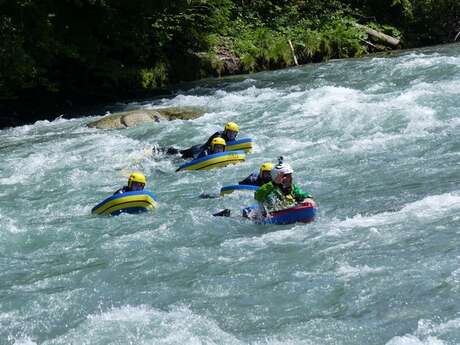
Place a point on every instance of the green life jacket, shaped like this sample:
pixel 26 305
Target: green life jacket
pixel 273 198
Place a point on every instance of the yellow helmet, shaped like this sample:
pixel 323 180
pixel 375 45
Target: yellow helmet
pixel 267 166
pixel 217 141
pixel 231 126
pixel 136 176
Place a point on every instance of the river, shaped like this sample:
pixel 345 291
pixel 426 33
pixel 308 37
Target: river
pixel 375 140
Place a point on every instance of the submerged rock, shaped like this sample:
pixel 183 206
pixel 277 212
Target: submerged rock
pixel 137 117
pixel 180 113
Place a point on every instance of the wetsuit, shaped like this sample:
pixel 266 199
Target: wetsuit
pixel 196 150
pixel 207 144
pixel 187 153
pixel 122 190
pixel 204 153
pixel 254 180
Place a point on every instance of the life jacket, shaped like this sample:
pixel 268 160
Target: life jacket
pixel 273 198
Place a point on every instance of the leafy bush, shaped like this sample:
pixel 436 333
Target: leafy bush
pixel 88 50
pixel 262 48
pixel 155 77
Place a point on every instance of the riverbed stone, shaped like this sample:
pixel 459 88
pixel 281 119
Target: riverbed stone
pixel 137 117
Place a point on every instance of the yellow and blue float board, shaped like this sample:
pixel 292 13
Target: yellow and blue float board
pixel 244 144
pixel 238 187
pixel 214 160
pixel 128 202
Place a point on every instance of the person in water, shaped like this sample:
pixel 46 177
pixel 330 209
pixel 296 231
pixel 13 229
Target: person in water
pixel 258 179
pixel 217 145
pixel 230 132
pixel 136 182
pixel 281 192
pixel 276 195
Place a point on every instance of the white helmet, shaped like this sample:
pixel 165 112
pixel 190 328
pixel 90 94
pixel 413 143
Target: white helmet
pixel 279 171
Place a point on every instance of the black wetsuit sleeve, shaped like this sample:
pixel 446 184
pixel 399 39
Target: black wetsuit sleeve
pixel 208 143
pixel 191 152
pixel 250 180
pixel 203 153
pixel 121 190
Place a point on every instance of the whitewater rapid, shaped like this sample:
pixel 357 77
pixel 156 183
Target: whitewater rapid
pixel 375 140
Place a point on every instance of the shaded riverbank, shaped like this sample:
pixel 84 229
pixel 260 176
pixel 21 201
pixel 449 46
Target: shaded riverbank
pixel 56 57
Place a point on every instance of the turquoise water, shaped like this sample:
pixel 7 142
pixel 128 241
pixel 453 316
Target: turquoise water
pixel 376 140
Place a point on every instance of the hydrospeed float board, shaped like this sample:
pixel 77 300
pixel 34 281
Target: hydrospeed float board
pixel 215 160
pixel 302 213
pixel 241 144
pixel 128 202
pixel 238 187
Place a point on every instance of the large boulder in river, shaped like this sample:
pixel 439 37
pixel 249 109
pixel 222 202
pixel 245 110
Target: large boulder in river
pixel 140 116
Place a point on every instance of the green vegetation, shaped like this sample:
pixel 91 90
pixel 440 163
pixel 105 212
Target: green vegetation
pixel 55 53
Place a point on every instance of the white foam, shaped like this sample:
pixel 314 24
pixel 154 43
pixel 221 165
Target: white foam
pixel 413 340
pixel 429 208
pixel 286 145
pixel 434 206
pixel 328 101
pixel 451 88
pixel 454 279
pixel 285 341
pixel 427 328
pixel 428 333
pixel 40 125
pixel 346 271
pixel 145 325
pixel 293 235
pixel 10 225
pixel 49 159
pixel 416 61
pixel 374 142
pixel 230 101
pixel 24 341
pixel 341 246
pixel 363 117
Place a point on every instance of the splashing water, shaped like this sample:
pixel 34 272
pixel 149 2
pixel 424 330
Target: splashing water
pixel 377 142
